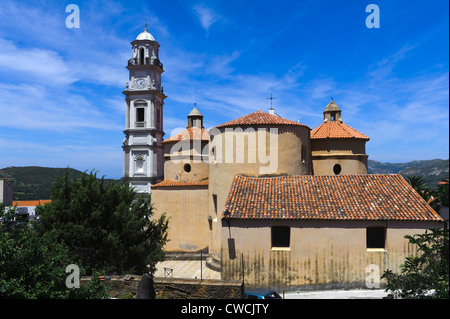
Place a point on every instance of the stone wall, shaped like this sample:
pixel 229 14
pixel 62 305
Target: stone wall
pixel 175 288
pixel 179 288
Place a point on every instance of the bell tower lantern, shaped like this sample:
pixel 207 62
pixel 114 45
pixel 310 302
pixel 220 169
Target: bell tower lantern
pixel 337 148
pixel 144 96
pixel 332 112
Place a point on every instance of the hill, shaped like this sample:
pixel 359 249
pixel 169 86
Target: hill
pixel 432 171
pixel 34 182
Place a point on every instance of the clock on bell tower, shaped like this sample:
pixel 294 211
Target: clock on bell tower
pixel 142 148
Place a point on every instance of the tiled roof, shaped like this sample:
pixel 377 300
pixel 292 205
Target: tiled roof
pixel 336 129
pixel 259 118
pixel 22 203
pixel 346 197
pixel 172 183
pixel 192 133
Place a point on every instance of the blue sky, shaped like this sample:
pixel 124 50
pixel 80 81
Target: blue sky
pixel 61 101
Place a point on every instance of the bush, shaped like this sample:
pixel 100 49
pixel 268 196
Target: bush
pixel 425 276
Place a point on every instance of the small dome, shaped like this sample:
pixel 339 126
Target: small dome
pixel 195 112
pixel 145 36
pixel 331 107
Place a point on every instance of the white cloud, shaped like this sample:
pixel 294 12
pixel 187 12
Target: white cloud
pixel 28 106
pixel 206 16
pixel 34 64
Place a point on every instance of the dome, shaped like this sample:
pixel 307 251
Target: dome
pixel 332 107
pixel 195 112
pixel 145 36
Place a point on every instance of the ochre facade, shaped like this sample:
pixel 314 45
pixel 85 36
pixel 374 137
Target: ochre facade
pixel 284 158
pixel 322 254
pixel 187 208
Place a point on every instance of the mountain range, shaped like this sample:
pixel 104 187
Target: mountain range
pixel 35 182
pixel 432 171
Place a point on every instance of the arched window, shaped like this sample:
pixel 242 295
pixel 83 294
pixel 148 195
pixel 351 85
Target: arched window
pixel 141 56
pixel 140 108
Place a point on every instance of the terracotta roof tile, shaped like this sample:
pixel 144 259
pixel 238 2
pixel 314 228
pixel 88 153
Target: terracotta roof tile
pixel 260 118
pixel 192 133
pixel 22 203
pixel 346 197
pixel 172 183
pixel 336 129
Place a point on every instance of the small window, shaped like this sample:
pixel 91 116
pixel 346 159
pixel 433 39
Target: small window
pixel 158 116
pixel 140 115
pixel 214 197
pixel 281 236
pixel 187 168
pixel 303 154
pixel 337 169
pixel 141 56
pixel 333 117
pixel 375 237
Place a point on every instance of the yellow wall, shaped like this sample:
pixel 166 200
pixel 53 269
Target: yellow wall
pixel 291 143
pixel 350 164
pixel 326 254
pixel 177 155
pixel 350 154
pixel 187 207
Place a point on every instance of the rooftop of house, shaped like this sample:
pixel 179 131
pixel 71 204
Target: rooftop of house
pixel 29 203
pixel 346 197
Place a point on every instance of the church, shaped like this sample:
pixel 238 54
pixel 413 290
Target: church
pixel 271 201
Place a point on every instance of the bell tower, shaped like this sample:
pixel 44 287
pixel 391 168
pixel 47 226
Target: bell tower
pixel 144 96
pixel 337 148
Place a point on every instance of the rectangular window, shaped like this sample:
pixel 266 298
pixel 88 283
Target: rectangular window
pixel 304 153
pixel 375 237
pixel 140 115
pixel 214 196
pixel 281 236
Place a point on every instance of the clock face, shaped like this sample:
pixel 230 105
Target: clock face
pixel 140 83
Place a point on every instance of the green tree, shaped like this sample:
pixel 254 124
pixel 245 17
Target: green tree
pixel 417 182
pixel 425 275
pixel 442 193
pixel 429 195
pixel 106 227
pixel 33 266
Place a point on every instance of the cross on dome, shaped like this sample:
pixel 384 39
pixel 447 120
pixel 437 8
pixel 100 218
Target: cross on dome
pixel 145 35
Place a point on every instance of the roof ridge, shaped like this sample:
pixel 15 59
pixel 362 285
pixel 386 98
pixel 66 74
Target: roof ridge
pixel 174 183
pixel 260 118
